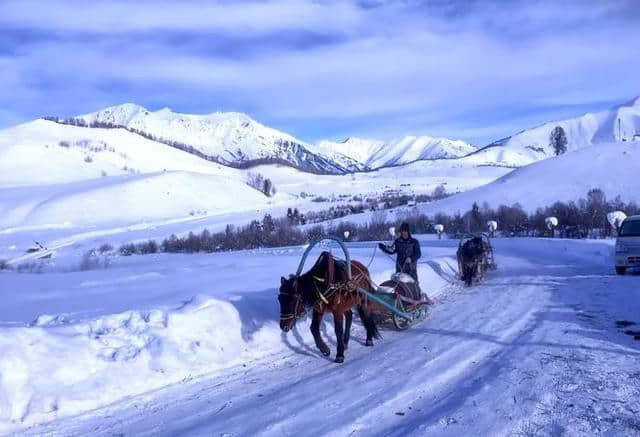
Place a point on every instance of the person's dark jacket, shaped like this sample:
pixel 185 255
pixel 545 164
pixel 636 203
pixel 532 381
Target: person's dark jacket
pixel 409 248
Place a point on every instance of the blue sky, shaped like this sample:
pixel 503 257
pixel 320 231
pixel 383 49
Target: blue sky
pixel 470 69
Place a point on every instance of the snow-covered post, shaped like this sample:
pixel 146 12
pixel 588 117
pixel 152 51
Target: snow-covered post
pixel 439 230
pixel 615 219
pixel 492 226
pixel 392 232
pixel 552 224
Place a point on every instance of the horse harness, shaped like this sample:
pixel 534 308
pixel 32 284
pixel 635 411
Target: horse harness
pixel 322 297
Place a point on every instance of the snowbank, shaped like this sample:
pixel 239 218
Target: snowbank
pixel 83 351
pixel 53 368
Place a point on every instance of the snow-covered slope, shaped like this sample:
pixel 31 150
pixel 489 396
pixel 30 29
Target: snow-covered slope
pixel 405 150
pixel 612 167
pixel 617 124
pixel 43 152
pixel 54 175
pixel 126 200
pixel 229 138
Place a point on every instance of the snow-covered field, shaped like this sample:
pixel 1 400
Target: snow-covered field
pixel 190 345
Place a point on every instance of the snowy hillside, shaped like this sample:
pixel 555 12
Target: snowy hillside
pixel 229 138
pixel 405 150
pixel 617 124
pixel 60 176
pixel 126 200
pixel 65 184
pixel 612 167
pixel 43 152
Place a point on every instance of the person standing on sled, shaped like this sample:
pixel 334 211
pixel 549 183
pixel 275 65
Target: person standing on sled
pixel 408 252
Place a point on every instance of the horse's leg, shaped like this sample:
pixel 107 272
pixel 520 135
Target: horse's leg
pixel 348 317
pixel 366 316
pixel 338 322
pixel 315 331
pixel 367 323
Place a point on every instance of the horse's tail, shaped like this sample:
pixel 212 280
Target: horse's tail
pixel 369 323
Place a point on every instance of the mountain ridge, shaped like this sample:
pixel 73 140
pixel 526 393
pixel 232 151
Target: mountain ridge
pixel 229 138
pixel 235 139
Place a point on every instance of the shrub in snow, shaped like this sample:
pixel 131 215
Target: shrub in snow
pixel 106 247
pixel 88 158
pixel 4 265
pixel 616 218
pixel 255 180
pixel 147 247
pixel 440 192
pixel 91 261
pixel 551 224
pixel 127 249
pixel 31 267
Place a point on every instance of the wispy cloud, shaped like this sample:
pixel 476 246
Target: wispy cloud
pixel 461 68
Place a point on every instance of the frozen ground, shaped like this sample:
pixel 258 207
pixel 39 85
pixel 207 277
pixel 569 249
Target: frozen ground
pixel 189 345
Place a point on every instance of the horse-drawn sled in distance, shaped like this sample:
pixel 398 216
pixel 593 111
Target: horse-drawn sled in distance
pixel 340 285
pixel 475 257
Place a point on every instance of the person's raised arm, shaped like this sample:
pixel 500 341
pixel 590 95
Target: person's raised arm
pixel 387 249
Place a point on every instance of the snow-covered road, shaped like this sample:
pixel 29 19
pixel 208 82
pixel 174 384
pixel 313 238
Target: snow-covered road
pixel 538 349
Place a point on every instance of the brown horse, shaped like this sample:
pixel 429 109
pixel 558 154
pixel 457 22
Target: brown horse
pixel 326 288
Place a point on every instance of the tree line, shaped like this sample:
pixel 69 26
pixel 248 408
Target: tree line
pixel 581 219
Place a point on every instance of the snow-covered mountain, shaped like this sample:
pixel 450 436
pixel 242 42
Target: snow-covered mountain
pixel 376 154
pixel 230 138
pixel 621 123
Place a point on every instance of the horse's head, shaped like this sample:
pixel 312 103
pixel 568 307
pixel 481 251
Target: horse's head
pixel 291 305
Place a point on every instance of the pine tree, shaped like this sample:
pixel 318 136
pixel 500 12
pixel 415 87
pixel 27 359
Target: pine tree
pixel 558 140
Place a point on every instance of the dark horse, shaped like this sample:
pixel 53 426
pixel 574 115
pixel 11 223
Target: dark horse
pixel 471 260
pixel 326 288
